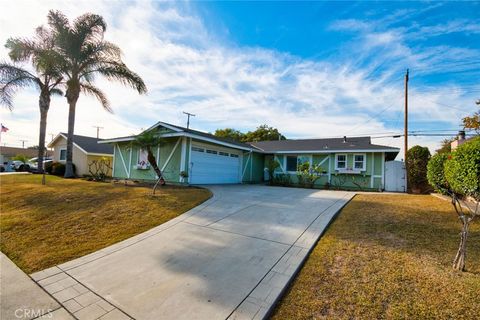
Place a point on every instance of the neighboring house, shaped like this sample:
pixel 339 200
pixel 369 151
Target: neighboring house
pixel 207 159
pixel 7 153
pixel 85 151
pixel 459 141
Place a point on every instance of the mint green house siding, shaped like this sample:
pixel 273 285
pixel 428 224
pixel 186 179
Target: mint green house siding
pixel 253 167
pixel 205 159
pixel 371 177
pixel 168 156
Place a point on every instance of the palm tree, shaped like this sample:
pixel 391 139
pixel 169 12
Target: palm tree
pixel 148 140
pixel 46 77
pixel 85 55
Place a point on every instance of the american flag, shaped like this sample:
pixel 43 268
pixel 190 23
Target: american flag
pixel 4 129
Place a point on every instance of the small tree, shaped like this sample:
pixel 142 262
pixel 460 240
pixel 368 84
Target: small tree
pixel 308 174
pixel 272 165
pixel 148 140
pixel 462 173
pixel 473 122
pixel 417 160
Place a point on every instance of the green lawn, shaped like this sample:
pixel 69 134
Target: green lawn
pixel 42 226
pixel 388 257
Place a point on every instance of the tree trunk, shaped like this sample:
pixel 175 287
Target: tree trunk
pixel 72 97
pixel 459 261
pixel 153 163
pixel 44 104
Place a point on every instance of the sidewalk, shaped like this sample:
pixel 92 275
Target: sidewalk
pixel 21 298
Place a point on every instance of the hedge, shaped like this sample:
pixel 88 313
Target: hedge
pixel 435 173
pixel 462 169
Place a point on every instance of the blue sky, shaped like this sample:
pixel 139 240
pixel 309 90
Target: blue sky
pixel 312 69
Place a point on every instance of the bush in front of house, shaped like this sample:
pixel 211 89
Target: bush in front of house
pixel 417 160
pixel 462 169
pixel 435 173
pixel 56 168
pixel 460 179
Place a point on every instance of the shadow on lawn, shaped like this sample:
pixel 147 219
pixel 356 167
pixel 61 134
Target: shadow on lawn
pixel 409 227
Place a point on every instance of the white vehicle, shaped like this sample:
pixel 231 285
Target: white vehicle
pixel 34 164
pixel 17 165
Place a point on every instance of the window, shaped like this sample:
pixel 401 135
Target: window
pixel 63 154
pixel 211 151
pixel 198 149
pixel 233 155
pixel 291 163
pixel 302 160
pixel 223 153
pixel 340 161
pixel 359 161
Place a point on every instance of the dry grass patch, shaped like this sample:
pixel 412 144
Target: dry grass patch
pixel 388 257
pixel 42 226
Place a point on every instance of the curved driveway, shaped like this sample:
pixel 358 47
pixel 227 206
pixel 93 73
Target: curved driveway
pixel 230 257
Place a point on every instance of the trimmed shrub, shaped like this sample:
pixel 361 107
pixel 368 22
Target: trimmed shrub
pixel 417 160
pixel 57 168
pixel 462 169
pixel 435 173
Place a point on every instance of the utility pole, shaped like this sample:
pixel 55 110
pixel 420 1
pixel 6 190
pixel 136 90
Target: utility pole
pixel 405 146
pixel 188 118
pixel 98 131
pixel 23 143
pixel 52 135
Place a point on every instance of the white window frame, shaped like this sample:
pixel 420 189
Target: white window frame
pixel 364 167
pixel 60 154
pixel 336 161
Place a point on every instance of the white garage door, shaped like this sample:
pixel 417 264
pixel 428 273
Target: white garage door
pixel 212 166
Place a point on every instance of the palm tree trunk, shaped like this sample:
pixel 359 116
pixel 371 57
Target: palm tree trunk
pixel 44 104
pixel 72 97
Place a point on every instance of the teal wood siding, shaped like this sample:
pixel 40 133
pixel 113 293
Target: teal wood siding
pixel 368 179
pixel 130 151
pixel 253 167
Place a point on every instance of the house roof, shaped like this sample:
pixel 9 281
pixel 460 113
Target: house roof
pixel 11 152
pixel 346 144
pixel 359 144
pixel 182 131
pixel 89 145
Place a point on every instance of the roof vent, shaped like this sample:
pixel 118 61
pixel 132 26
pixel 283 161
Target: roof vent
pixel 344 139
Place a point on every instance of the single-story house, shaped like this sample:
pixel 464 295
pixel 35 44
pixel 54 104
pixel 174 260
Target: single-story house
pixel 86 151
pixel 7 153
pixel 196 157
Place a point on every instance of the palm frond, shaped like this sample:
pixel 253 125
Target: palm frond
pixel 13 78
pixel 21 49
pixel 122 74
pixel 56 91
pixel 91 90
pixel 89 28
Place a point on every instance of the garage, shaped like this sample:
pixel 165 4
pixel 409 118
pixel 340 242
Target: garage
pixel 210 165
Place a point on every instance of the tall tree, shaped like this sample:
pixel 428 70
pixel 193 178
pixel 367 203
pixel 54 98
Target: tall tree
pixel 445 146
pixel 473 121
pixel 85 54
pixel 46 77
pixel 263 133
pixel 230 133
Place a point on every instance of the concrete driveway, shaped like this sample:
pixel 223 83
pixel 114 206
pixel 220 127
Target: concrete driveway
pixel 231 257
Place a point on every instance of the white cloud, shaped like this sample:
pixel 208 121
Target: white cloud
pixel 186 68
